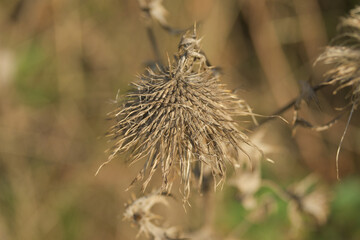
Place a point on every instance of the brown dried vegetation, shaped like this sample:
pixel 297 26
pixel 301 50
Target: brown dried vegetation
pixel 180 118
pixel 344 54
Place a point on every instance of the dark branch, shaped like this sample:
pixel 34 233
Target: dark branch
pixel 287 106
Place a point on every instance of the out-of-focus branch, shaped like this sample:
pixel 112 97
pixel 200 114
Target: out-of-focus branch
pixel 153 10
pixel 154 45
pixel 269 51
pixel 283 109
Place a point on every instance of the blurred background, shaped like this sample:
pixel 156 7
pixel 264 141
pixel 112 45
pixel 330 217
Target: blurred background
pixel 62 63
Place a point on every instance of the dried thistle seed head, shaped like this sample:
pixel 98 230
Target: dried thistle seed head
pixel 180 118
pixel 344 54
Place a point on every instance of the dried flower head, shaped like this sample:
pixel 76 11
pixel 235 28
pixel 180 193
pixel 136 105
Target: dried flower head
pixel 180 118
pixel 139 212
pixel 344 54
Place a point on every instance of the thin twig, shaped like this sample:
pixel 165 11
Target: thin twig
pixel 286 107
pixel 152 39
pixel 341 141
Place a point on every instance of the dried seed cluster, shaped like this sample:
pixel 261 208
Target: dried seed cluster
pixel 179 118
pixel 344 53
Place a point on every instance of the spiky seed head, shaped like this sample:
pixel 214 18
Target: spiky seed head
pixel 180 118
pixel 344 54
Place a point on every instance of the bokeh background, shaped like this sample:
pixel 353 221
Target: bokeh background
pixel 62 63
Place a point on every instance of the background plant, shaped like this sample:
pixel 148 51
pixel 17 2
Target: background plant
pixel 60 63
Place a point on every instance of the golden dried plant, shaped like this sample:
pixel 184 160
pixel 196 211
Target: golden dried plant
pixel 308 197
pixel 344 54
pixel 179 118
pixel 155 10
pixel 139 212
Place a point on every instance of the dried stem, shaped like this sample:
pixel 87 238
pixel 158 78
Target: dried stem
pixel 154 45
pixel 341 141
pixel 286 107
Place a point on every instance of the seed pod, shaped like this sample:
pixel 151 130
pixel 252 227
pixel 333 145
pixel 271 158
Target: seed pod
pixel 179 118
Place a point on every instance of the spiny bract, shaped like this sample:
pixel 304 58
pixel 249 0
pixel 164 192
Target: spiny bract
pixel 179 118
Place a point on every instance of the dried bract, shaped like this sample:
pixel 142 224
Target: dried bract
pixel 248 183
pixel 139 211
pixel 155 9
pixel 248 180
pixel 309 198
pixel 344 54
pixel 180 118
